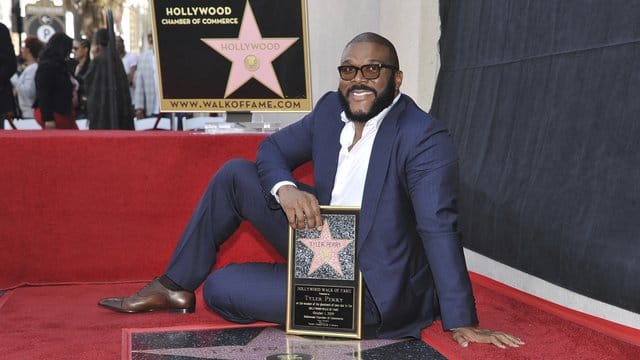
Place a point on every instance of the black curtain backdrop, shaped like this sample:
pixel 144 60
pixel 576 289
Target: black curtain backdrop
pixel 542 100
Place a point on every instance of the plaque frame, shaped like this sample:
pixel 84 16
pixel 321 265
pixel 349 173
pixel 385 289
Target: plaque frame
pixel 323 301
pixel 194 76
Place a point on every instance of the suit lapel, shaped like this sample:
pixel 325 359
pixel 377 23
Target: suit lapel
pixel 378 167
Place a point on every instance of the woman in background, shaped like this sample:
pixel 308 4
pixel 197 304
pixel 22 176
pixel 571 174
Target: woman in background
pixel 81 53
pixel 8 66
pixel 56 88
pixel 25 82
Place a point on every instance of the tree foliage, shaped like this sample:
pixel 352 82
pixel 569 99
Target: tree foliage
pixel 89 15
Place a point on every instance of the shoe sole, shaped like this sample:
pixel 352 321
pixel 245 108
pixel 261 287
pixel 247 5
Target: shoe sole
pixel 182 311
pixel 171 310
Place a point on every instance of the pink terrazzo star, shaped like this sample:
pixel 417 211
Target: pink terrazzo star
pixel 325 250
pixel 274 343
pixel 251 55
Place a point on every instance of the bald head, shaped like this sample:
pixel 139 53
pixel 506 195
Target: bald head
pixel 380 40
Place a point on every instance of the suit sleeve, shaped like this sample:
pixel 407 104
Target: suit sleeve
pixel 432 179
pixel 283 151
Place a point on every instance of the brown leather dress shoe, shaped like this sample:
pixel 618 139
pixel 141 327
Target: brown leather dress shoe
pixel 154 296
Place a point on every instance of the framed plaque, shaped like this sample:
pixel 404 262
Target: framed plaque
pixel 232 55
pixel 324 292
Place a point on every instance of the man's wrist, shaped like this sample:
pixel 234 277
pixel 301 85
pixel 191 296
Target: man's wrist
pixel 462 327
pixel 277 186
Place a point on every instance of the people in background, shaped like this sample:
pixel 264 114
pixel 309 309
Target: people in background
pixel 56 88
pixel 24 82
pixel 8 67
pixel 108 98
pixel 371 147
pixel 147 96
pixel 129 61
pixel 82 54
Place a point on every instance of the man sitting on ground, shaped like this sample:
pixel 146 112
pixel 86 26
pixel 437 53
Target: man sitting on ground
pixel 371 147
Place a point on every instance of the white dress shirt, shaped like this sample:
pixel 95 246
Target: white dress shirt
pixel 348 185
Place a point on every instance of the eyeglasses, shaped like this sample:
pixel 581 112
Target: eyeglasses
pixel 369 71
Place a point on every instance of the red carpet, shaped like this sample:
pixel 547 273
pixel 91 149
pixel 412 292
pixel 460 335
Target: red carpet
pixel 548 334
pixel 115 195
pixel 63 322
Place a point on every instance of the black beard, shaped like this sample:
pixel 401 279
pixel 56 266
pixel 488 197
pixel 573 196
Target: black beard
pixel 380 103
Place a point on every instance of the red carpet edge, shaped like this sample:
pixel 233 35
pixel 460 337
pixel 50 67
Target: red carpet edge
pixel 615 330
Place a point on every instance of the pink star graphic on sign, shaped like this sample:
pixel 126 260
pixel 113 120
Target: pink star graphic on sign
pixel 325 250
pixel 251 55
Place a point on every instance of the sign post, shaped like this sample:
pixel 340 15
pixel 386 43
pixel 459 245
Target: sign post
pixel 43 19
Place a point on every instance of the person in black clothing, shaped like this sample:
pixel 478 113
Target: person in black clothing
pixel 8 67
pixel 81 53
pixel 108 98
pixel 56 87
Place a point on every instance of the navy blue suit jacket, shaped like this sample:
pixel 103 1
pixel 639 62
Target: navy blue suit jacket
pixel 409 247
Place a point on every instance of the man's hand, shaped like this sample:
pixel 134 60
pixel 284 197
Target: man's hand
pixel 465 335
pixel 301 208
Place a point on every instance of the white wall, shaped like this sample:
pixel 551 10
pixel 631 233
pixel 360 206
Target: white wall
pixel 413 26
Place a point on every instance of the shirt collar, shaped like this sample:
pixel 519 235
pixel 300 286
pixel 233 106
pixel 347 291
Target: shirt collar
pixel 376 120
